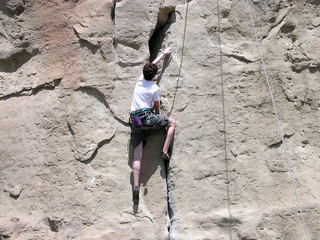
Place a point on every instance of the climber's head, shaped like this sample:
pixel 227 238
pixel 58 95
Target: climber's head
pixel 149 71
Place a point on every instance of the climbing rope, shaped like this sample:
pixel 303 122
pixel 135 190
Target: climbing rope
pixel 183 36
pixel 278 123
pixel 224 121
pixel 223 116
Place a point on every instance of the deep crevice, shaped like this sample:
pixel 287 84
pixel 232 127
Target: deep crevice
pixel 169 208
pixel 166 17
pixel 113 11
pixel 169 198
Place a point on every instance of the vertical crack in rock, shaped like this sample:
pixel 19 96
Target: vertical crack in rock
pixel 166 17
pixel 169 200
pixel 113 11
pixel 113 23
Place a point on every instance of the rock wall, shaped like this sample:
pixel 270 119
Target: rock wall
pixel 67 72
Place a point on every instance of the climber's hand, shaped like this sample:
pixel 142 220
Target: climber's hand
pixel 167 51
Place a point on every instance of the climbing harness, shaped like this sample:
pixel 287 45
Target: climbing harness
pixel 140 111
pixel 278 123
pixel 137 115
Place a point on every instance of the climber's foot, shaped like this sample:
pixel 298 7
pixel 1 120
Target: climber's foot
pixel 135 195
pixel 165 156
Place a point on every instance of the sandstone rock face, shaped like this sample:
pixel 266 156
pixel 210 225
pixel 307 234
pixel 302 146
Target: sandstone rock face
pixel 67 72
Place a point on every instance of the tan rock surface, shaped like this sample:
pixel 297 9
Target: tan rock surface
pixel 67 72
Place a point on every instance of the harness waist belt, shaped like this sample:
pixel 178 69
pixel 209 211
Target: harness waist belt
pixel 140 111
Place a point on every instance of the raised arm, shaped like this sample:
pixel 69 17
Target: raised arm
pixel 167 51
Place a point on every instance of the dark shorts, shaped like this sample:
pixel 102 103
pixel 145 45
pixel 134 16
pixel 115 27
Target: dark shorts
pixel 150 122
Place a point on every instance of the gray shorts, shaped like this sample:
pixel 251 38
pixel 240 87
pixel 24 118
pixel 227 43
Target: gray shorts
pixel 150 122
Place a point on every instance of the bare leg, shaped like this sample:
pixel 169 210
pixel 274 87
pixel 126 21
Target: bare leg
pixel 136 164
pixel 169 137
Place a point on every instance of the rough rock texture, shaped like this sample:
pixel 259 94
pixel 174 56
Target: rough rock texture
pixel 67 72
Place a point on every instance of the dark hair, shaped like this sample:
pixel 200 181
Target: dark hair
pixel 149 70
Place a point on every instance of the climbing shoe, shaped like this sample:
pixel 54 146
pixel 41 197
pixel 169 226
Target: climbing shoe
pixel 165 156
pixel 135 195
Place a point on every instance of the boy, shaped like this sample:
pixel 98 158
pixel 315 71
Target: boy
pixel 145 93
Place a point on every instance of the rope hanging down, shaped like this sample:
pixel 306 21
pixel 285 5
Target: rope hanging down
pixel 278 123
pixel 224 117
pixel 227 178
pixel 182 48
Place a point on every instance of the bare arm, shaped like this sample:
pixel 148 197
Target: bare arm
pixel 167 51
pixel 156 105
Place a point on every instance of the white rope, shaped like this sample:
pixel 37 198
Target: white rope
pixel 278 123
pixel 182 41
pixel 181 34
pixel 224 119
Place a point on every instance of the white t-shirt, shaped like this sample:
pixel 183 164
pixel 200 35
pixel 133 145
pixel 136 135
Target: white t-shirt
pixel 144 93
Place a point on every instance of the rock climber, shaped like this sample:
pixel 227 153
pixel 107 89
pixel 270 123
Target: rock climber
pixel 145 116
